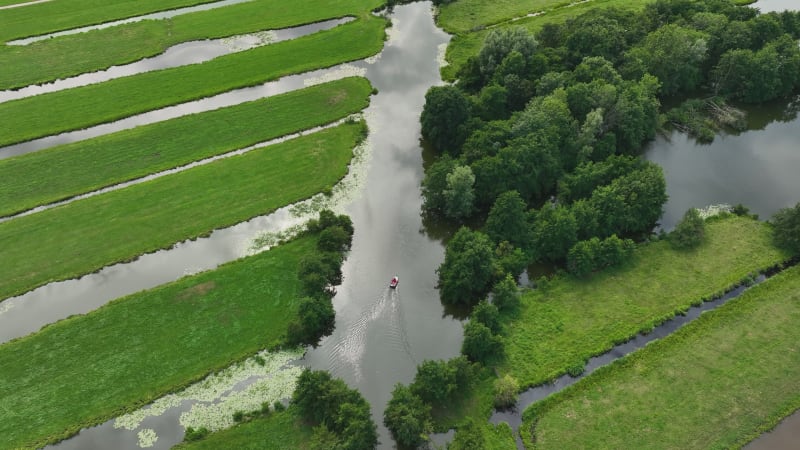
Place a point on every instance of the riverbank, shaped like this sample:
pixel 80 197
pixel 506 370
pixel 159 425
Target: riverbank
pixel 565 321
pixel 77 108
pixel 71 55
pixel 87 369
pixel 84 236
pixel 716 383
pixel 60 172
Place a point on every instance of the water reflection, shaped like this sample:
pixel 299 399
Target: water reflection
pixel 757 168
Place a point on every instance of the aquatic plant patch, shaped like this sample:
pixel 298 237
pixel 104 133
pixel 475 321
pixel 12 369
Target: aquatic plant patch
pixel 718 382
pixel 65 171
pixel 95 50
pixel 76 108
pixel 85 235
pixel 87 369
pixel 47 17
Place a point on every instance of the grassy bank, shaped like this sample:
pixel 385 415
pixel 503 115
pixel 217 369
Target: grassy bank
pixel 77 108
pixel 716 383
pixel 470 32
pixel 47 17
pixel 83 236
pixel 99 49
pixel 279 431
pixel 87 369
pixel 68 170
pixel 571 320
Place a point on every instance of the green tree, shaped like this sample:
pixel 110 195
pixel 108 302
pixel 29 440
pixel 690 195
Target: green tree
pixel 487 314
pixel 505 294
pixel 434 185
pixel 312 385
pixel 507 220
pixel 588 176
pixel 690 230
pixel 509 260
pixel 673 54
pixel 334 239
pixel 499 43
pixel 435 382
pixel 468 437
pixel 444 118
pixel 582 257
pixel 459 195
pixel 353 424
pixel 466 272
pixel 505 391
pixel 555 231
pixel 480 345
pixel 786 228
pixel 315 318
pixel 407 417
pixel 492 103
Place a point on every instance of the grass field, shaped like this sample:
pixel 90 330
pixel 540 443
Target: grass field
pixel 87 369
pixel 68 170
pixel 468 41
pixel 47 17
pixel 571 320
pixel 78 108
pixel 279 431
pixel 716 383
pixel 99 49
pixel 86 235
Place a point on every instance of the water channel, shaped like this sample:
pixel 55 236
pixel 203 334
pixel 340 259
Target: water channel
pixel 381 335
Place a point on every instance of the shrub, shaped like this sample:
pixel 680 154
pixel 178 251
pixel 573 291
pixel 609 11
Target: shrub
pixel 689 232
pixel 487 314
pixel 238 416
pixel 407 417
pixel 192 434
pixel 575 370
pixel 480 345
pixel 505 391
pixel 786 228
pixel 505 294
pixel 278 406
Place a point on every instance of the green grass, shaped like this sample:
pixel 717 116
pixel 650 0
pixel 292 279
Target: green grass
pixel 279 431
pixel 716 383
pixel 68 170
pixel 77 108
pixel 468 43
pixel 99 49
pixel 86 235
pixel 43 18
pixel 571 320
pixel 87 369
pixel 468 15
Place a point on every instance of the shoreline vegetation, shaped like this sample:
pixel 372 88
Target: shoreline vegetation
pixel 77 108
pixel 53 245
pixel 720 381
pixel 59 173
pixel 86 369
pixel 71 55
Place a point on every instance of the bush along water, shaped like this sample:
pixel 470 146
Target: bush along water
pixel 318 274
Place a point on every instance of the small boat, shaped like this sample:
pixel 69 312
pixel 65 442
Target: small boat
pixel 393 283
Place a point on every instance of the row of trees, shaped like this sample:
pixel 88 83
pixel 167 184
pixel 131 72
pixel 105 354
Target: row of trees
pixel 341 415
pixel 318 273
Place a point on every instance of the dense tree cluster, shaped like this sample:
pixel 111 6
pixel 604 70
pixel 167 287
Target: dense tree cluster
pixel 318 273
pixel 342 413
pixel 540 137
pixel 408 414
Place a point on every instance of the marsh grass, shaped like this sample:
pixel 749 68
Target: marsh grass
pixel 86 235
pixel 71 55
pixel 65 171
pixel 87 369
pixel 718 382
pixel 78 108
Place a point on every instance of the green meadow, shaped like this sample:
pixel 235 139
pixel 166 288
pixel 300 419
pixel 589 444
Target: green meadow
pixel 61 172
pixel 471 29
pixel 86 235
pixel 48 17
pixel 71 55
pixel 87 369
pixel 283 430
pixel 77 108
pixel 718 382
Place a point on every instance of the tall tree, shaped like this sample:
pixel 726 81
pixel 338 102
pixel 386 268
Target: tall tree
pixel 407 417
pixel 507 220
pixel 466 273
pixel 459 195
pixel 444 118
